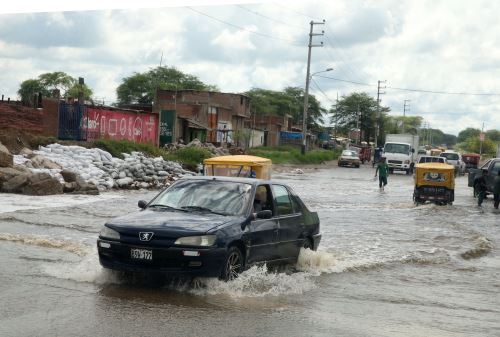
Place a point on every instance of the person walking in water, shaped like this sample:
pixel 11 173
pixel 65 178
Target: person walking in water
pixel 382 169
pixel 480 187
pixel 496 191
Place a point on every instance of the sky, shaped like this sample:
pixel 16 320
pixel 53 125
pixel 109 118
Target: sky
pixel 443 57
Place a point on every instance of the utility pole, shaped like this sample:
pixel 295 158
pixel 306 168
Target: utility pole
pixel 377 129
pixel 308 78
pixel 358 126
pixel 481 138
pixel 404 112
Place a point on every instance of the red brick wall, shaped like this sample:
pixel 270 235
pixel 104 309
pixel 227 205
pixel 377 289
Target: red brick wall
pixel 14 116
pixel 50 117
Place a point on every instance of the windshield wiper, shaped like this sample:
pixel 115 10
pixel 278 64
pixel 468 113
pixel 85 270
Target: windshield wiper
pixel 166 206
pixel 202 209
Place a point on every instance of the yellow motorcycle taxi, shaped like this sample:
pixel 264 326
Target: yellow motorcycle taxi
pixel 434 182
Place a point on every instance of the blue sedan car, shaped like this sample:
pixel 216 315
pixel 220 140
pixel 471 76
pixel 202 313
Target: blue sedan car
pixel 210 226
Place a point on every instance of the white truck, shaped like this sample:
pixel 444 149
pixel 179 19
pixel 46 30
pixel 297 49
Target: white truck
pixel 400 151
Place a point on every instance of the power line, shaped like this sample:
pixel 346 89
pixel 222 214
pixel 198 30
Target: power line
pixel 342 80
pixel 297 13
pixel 242 28
pixel 324 94
pixel 269 18
pixel 415 90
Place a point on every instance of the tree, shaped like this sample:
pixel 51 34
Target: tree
pixel 411 124
pixel 290 101
pixel 360 110
pixel 48 82
pixel 29 89
pixel 74 91
pixel 141 87
pixel 468 133
pixel 493 135
pixel 473 144
pixel 57 80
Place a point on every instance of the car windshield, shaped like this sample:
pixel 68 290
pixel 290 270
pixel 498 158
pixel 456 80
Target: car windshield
pixel 397 148
pixel 221 197
pixel 349 153
pixel 450 156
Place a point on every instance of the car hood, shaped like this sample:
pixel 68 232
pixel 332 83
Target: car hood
pixel 170 221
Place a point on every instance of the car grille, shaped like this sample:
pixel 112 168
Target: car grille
pixel 399 162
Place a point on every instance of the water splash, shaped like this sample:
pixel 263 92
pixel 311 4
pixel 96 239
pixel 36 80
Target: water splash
pixel 46 242
pixel 483 247
pixel 87 270
pixel 256 282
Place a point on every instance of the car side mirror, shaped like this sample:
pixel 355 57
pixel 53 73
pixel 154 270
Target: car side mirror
pixel 412 150
pixel 265 214
pixel 142 204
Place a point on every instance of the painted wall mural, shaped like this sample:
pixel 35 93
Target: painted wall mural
pixel 138 127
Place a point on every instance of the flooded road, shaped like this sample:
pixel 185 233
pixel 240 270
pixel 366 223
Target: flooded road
pixel 385 267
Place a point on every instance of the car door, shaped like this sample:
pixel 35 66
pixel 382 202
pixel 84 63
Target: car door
pixel 493 172
pixel 263 232
pixel 291 223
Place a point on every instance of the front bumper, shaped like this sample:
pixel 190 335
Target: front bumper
pixel 168 260
pixel 349 162
pixel 398 165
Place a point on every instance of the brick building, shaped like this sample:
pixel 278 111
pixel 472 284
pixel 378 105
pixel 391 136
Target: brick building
pixel 209 116
pixel 272 126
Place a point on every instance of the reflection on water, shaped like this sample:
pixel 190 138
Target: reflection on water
pixel 385 267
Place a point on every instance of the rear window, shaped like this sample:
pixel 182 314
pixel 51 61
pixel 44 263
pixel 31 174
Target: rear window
pixel 450 156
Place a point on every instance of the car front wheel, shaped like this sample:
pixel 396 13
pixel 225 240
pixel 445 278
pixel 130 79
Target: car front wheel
pixel 233 264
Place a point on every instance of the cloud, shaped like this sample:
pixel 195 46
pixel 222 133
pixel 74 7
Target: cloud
pixel 448 46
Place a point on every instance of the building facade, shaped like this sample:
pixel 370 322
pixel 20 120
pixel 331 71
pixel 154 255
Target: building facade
pixel 209 116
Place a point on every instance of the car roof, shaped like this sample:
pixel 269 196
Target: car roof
pixel 251 181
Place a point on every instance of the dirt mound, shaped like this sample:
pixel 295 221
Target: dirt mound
pixel 15 140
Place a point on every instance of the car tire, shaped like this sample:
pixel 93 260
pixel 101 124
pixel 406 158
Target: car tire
pixel 233 264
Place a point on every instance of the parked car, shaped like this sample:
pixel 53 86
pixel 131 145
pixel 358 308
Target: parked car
pixel 455 159
pixel 349 158
pixel 210 226
pixel 492 166
pixel 431 159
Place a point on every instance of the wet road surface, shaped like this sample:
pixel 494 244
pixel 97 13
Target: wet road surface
pixel 385 267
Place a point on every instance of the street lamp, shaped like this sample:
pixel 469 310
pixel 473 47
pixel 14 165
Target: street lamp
pixel 306 107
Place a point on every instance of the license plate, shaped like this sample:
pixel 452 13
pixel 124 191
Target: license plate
pixel 141 254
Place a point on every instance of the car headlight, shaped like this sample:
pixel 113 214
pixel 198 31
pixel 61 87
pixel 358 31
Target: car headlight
pixel 202 240
pixel 108 233
pixel 407 161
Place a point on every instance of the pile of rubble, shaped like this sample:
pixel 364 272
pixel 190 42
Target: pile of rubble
pixel 75 169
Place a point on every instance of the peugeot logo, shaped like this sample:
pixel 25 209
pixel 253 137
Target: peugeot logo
pixel 145 236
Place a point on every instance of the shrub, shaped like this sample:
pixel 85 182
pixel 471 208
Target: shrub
pixel 292 155
pixel 118 147
pixel 188 156
pixel 42 141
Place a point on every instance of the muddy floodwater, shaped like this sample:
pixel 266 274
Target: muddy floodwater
pixel 385 267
